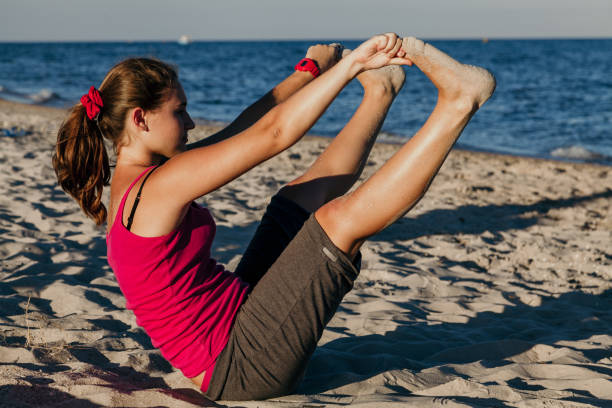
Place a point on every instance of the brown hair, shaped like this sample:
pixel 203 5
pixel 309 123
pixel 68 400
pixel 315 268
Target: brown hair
pixel 80 159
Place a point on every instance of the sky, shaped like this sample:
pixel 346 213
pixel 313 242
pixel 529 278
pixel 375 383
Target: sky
pixel 138 20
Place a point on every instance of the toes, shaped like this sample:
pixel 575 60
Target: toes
pixel 413 46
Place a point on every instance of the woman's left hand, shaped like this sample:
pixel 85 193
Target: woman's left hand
pixel 326 56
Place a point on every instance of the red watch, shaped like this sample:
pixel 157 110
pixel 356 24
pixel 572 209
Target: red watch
pixel 308 65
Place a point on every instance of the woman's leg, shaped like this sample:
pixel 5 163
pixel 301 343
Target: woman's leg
pixel 279 325
pixel 332 175
pixel 341 163
pixel 402 181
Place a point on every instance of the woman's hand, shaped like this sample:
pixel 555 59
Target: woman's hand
pixel 326 56
pixel 378 51
pixel 205 169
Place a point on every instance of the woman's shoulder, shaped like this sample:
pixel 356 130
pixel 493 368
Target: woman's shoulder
pixel 145 198
pixel 123 177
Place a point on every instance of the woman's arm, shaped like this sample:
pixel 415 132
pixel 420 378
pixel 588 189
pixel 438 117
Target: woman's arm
pixel 325 56
pixel 194 173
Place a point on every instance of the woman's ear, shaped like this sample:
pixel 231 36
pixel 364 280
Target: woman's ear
pixel 137 119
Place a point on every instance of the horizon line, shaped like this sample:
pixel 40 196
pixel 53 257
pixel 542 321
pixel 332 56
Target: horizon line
pixel 204 40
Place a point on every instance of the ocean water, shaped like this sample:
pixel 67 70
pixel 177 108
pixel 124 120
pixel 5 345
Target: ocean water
pixel 553 98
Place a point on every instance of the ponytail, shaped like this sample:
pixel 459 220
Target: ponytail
pixel 81 162
pixel 80 159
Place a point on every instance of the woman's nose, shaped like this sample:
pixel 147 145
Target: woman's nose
pixel 189 124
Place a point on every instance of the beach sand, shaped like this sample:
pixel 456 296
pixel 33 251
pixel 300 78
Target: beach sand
pixel 495 290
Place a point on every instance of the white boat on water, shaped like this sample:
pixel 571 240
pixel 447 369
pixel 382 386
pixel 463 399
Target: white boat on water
pixel 184 39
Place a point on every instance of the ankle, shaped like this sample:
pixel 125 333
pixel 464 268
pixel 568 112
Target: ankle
pixel 379 90
pixel 461 104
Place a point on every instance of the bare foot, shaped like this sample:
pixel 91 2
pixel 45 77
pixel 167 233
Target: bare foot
pixel 456 82
pixel 389 78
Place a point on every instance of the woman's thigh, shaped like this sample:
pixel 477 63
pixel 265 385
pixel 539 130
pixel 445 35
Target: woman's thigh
pixel 278 327
pixel 280 223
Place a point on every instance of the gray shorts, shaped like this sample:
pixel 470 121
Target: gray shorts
pixel 298 278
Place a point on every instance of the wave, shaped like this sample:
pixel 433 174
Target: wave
pixel 576 152
pixel 14 132
pixel 43 97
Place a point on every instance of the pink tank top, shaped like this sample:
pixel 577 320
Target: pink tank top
pixel 184 300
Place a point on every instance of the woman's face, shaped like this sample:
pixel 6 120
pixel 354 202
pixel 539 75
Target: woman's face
pixel 168 125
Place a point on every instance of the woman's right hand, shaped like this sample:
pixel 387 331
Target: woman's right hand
pixel 378 51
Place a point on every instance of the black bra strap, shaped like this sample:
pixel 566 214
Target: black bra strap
pixel 137 200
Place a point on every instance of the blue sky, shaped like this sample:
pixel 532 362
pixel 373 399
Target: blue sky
pixel 104 20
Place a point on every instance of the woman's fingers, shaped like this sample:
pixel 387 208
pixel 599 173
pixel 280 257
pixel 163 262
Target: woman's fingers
pixel 400 61
pixel 393 48
pixel 398 54
pixel 391 40
pixel 339 49
pixel 397 46
pixel 381 50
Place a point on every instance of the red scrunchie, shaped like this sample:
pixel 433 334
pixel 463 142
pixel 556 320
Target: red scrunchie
pixel 92 102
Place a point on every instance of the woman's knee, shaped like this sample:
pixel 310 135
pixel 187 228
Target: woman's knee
pixel 307 194
pixel 339 223
pixel 314 192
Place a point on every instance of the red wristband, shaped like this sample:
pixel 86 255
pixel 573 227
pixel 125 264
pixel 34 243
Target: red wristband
pixel 308 65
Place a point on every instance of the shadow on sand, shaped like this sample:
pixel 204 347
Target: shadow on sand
pixel 412 346
pixel 490 338
pixel 474 219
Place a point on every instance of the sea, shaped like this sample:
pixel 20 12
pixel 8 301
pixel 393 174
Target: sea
pixel 553 97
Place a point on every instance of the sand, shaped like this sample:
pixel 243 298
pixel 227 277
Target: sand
pixel 494 291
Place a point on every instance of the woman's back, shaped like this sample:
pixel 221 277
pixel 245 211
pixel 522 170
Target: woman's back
pixel 183 299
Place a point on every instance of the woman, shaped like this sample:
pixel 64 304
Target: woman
pixel 249 334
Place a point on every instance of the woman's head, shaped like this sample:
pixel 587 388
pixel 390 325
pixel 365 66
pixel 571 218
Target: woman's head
pixel 80 159
pixel 163 131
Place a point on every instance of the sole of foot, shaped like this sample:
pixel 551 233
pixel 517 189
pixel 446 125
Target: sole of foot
pixel 454 80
